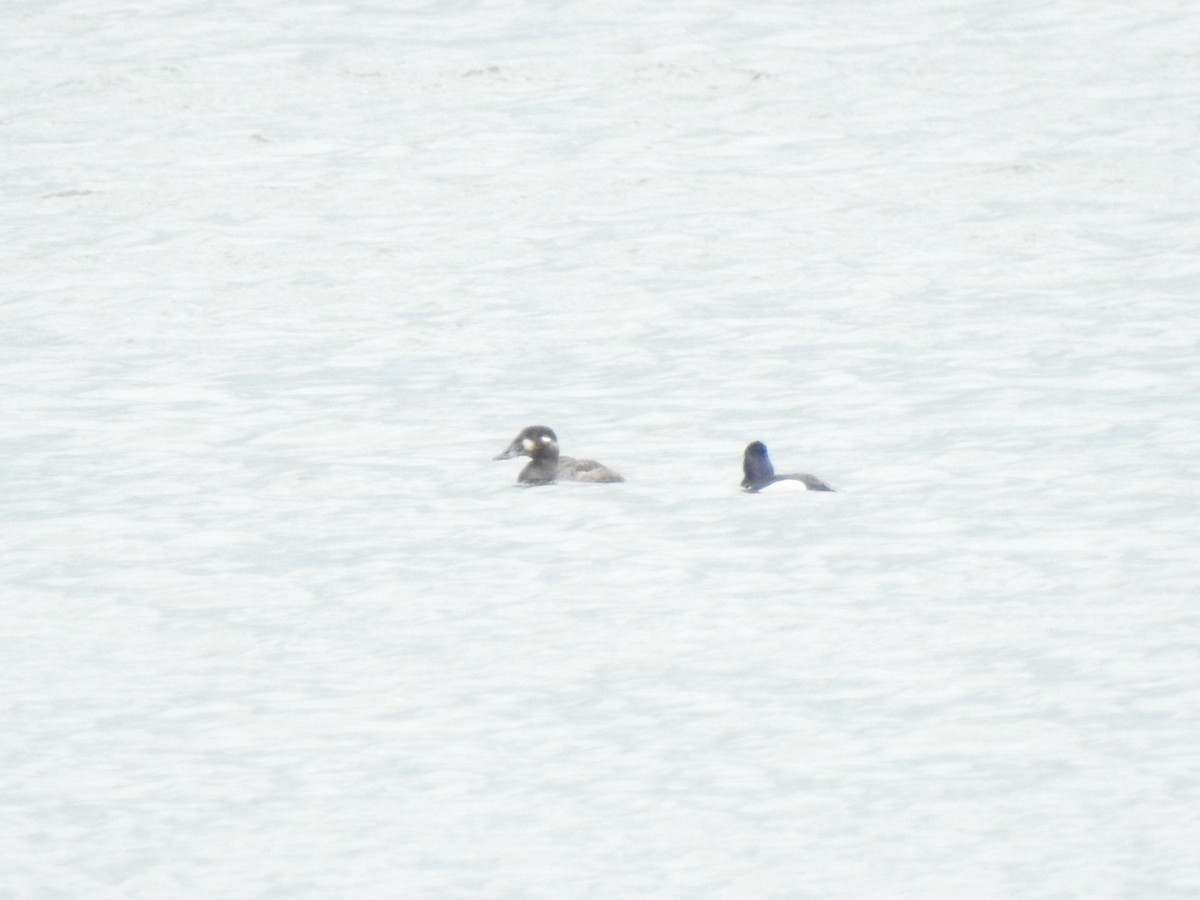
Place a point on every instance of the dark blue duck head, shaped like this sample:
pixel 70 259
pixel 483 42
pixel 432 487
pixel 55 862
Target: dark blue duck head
pixel 757 466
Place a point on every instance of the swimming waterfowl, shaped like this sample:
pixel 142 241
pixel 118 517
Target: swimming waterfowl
pixel 760 474
pixel 545 466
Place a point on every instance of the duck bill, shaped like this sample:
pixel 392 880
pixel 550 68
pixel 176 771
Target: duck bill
pixel 513 450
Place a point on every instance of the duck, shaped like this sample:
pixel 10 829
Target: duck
pixel 546 466
pixel 760 474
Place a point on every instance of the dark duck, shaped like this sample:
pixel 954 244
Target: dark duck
pixel 545 466
pixel 760 474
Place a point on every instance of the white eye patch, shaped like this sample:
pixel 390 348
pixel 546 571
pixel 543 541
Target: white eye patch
pixel 528 443
pixel 546 439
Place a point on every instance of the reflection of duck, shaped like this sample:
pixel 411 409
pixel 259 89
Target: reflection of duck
pixel 760 474
pixel 540 444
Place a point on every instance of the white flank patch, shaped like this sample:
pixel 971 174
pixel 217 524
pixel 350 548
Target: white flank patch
pixel 785 486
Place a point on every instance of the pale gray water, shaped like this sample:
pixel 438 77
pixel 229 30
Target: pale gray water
pixel 281 278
